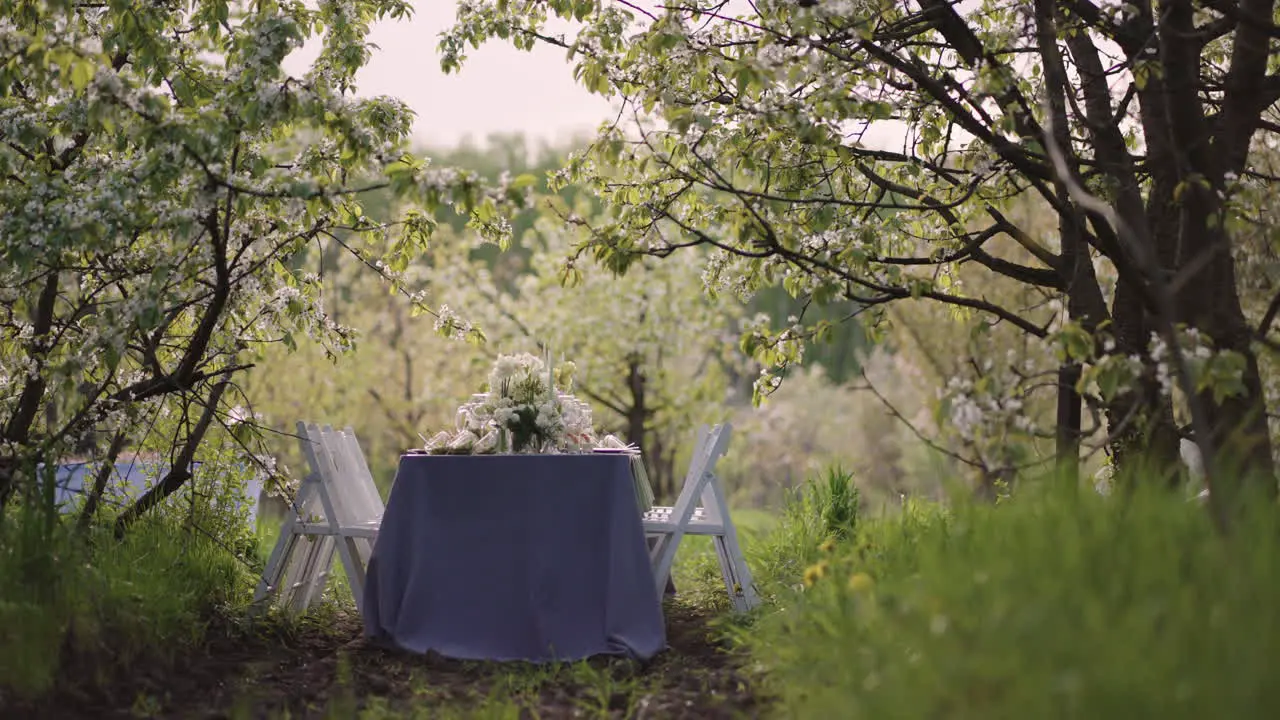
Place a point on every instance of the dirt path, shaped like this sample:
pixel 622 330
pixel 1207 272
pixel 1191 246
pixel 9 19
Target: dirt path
pixel 325 670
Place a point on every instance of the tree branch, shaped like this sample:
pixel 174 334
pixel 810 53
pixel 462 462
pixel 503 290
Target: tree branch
pixel 180 471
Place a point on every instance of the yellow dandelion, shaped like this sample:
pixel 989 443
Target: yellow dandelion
pixel 861 582
pixel 828 545
pixel 814 573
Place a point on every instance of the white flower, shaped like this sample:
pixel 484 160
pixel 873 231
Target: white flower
pixel 966 415
pixel 1102 480
pixel 506 366
pixel 237 415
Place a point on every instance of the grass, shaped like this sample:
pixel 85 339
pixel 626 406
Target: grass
pixel 66 601
pixel 597 691
pixel 1044 607
pixel 1048 605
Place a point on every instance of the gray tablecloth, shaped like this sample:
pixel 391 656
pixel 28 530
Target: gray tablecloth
pixel 513 557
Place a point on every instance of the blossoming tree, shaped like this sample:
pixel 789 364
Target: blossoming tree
pixel 1132 123
pixel 158 170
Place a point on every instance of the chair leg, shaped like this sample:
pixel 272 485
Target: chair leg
pixel 350 555
pixel 737 578
pixel 669 588
pixel 269 583
pixel 663 546
pixel 300 576
pixel 314 573
pixel 278 563
pixel 737 575
pixel 726 570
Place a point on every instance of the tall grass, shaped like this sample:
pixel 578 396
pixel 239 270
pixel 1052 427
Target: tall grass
pixel 1045 606
pixel 778 547
pixel 114 602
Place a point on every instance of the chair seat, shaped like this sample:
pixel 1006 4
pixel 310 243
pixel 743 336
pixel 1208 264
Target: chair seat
pixel 659 520
pixel 367 529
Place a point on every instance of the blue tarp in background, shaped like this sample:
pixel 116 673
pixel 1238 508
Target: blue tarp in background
pixel 131 479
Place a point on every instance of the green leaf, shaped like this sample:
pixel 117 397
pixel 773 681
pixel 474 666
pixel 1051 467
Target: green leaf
pixel 242 432
pixel 524 180
pixel 82 72
pixel 1076 343
pixel 744 77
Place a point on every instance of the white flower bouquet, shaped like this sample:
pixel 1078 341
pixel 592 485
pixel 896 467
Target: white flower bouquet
pixel 528 408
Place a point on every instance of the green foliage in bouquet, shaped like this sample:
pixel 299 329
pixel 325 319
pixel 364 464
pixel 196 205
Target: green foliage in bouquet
pixel 522 420
pixel 525 433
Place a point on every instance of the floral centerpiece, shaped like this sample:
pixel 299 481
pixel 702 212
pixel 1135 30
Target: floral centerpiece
pixel 524 404
pixel 528 408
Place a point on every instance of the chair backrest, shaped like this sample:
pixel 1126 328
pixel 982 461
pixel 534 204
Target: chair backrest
pixel 711 444
pixel 336 459
pixel 354 470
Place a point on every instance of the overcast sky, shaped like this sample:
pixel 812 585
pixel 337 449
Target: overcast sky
pixel 499 89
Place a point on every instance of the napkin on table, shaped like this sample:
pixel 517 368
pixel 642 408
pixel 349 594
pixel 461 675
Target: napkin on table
pixel 612 441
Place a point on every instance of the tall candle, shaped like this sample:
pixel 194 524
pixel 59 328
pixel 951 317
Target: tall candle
pixel 551 377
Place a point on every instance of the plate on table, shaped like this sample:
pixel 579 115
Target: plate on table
pixel 615 451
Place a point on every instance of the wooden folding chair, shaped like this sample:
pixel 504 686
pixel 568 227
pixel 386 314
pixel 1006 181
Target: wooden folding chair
pixel 299 564
pixel 701 509
pixel 337 510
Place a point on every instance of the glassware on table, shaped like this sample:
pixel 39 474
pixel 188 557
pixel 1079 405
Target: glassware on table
pixel 464 417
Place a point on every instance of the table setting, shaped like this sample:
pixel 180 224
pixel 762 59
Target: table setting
pixel 517 534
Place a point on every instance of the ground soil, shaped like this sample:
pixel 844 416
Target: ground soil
pixel 325 669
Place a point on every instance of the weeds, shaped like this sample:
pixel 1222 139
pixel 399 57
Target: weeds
pixel 838 503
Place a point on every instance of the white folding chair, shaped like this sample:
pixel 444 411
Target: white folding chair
pixel 701 510
pixel 299 564
pixel 337 510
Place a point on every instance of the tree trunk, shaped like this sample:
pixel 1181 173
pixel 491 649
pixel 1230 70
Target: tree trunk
pixel 1239 435
pixel 1195 155
pixel 1068 424
pixel 1085 304
pixel 18 429
pixel 638 413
